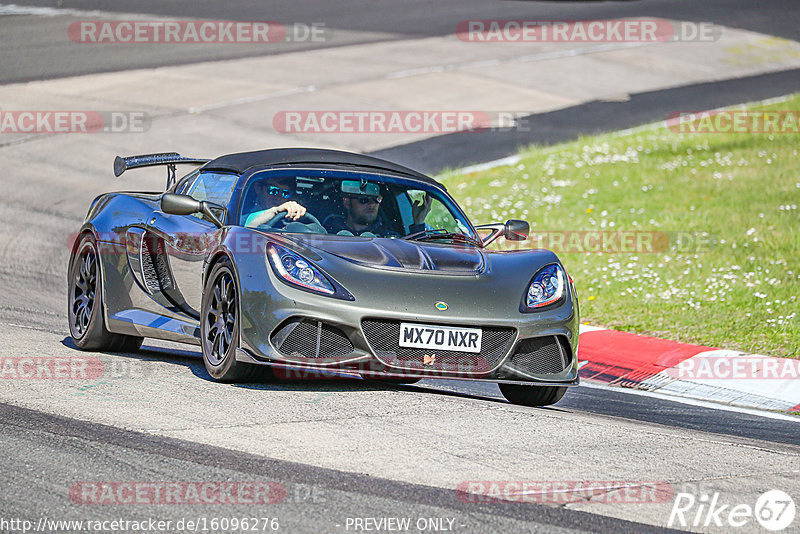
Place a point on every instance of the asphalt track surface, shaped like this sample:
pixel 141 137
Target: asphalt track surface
pixel 42 450
pixel 37 47
pixel 461 149
pixel 317 499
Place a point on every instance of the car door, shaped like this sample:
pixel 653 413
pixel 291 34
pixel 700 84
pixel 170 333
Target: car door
pixel 179 243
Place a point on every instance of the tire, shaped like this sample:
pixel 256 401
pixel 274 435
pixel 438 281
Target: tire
pixel 219 327
pixel 85 304
pixel 532 395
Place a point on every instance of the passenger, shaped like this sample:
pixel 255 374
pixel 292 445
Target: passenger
pixel 363 217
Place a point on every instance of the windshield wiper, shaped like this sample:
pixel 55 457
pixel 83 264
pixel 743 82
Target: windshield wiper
pixel 440 233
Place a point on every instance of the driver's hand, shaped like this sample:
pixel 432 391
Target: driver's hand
pixel 293 210
pixel 420 210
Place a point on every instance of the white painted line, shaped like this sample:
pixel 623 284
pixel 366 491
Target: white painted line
pixel 510 160
pixel 13 9
pixel 695 402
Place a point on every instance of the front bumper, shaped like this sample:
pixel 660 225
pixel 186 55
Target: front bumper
pixel 305 331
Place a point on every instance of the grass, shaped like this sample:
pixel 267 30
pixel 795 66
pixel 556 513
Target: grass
pixel 729 276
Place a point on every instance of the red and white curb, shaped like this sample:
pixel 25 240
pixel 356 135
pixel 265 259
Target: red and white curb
pixel 692 371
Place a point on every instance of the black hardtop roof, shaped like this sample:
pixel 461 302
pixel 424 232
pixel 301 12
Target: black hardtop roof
pixel 243 161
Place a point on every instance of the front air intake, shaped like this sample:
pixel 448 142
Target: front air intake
pixel 383 337
pixel 540 356
pixel 310 339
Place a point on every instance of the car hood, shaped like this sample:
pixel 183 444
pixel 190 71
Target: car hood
pixel 399 253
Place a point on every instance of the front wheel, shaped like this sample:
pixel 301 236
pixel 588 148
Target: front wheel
pixel 219 326
pixel 532 395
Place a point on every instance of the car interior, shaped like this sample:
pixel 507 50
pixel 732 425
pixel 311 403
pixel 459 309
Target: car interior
pixel 322 198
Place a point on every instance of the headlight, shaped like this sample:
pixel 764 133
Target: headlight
pixel 298 271
pixel 547 287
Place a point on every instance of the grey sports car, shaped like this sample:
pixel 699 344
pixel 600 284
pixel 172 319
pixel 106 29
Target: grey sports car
pixel 324 261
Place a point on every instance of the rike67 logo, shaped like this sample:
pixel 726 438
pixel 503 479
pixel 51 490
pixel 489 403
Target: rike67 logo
pixel 773 510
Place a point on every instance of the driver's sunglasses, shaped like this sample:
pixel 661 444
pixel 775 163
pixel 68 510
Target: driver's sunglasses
pixel 277 191
pixel 367 200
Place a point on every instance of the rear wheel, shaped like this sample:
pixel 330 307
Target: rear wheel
pixel 532 395
pixel 219 327
pixel 85 299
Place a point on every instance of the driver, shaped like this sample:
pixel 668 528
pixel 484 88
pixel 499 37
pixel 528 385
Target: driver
pixel 294 211
pixel 266 192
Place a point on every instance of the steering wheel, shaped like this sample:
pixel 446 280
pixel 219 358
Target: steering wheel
pixel 279 221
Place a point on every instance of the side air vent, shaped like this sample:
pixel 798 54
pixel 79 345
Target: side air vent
pixel 155 270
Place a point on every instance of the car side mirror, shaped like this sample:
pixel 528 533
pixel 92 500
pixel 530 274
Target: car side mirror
pixel 516 230
pixel 512 229
pixel 175 204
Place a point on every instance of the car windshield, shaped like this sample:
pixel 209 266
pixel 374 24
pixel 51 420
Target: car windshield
pixel 351 204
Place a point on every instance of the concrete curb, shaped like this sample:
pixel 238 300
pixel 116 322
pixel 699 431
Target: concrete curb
pixel 650 364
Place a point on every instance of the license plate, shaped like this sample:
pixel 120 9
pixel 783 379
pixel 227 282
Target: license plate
pixel 423 336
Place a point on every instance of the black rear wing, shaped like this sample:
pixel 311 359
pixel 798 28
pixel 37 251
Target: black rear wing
pixel 170 159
